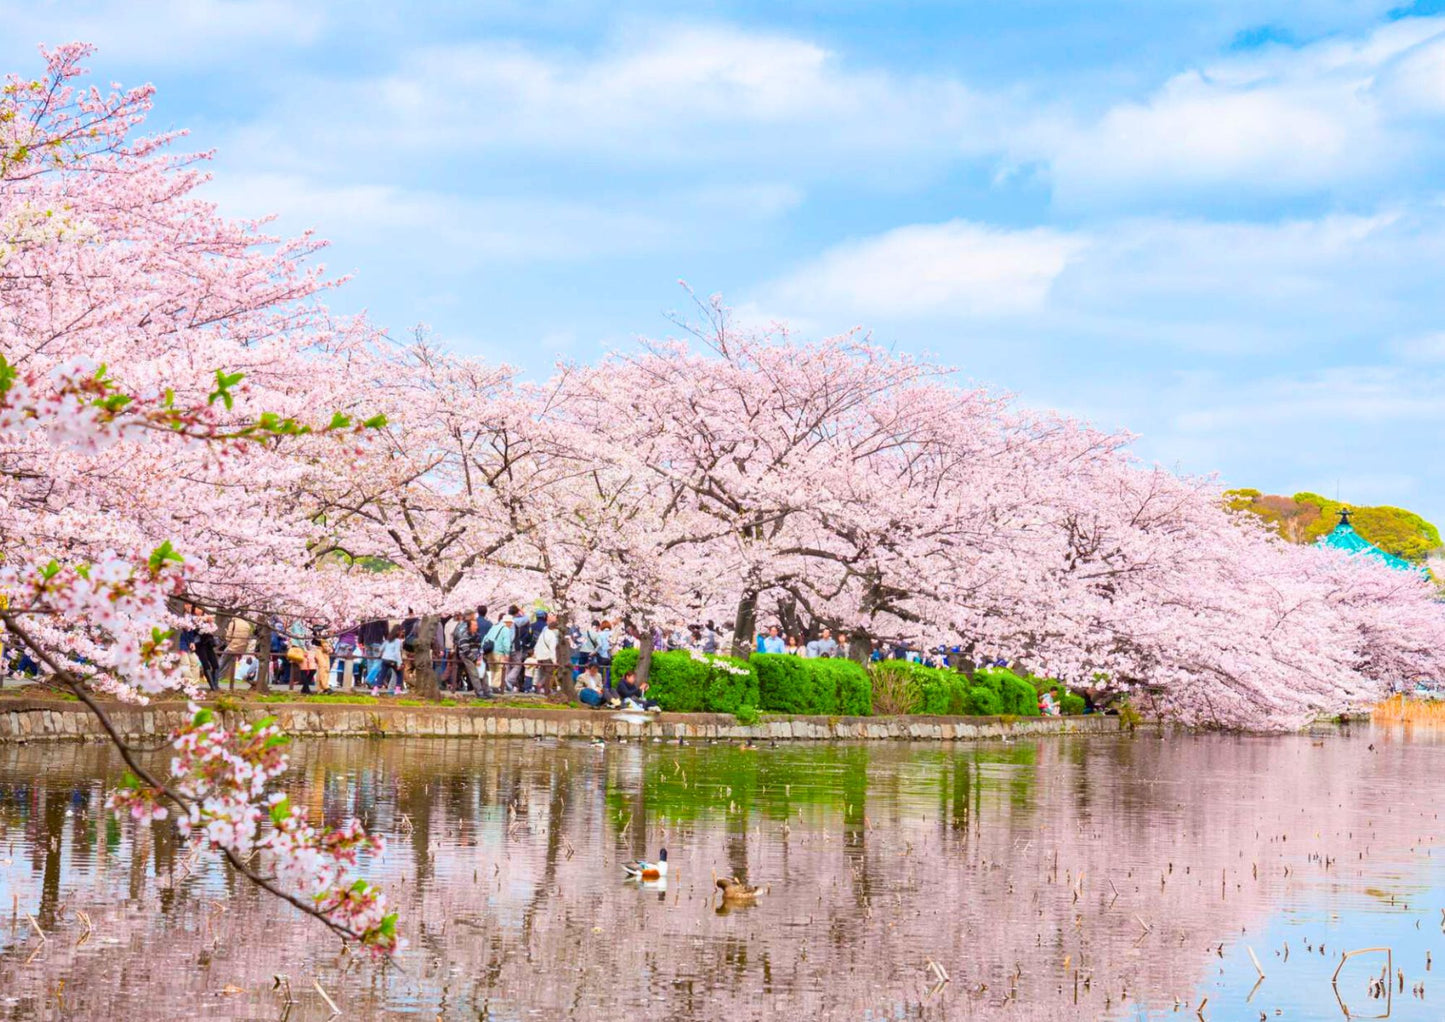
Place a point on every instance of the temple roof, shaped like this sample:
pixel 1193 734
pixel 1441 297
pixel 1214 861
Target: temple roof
pixel 1344 537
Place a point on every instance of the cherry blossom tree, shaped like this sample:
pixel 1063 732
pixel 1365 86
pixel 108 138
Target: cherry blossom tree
pixel 152 353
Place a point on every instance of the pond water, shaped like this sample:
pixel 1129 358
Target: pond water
pixel 1101 877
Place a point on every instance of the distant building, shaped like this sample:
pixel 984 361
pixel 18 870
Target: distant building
pixel 1344 537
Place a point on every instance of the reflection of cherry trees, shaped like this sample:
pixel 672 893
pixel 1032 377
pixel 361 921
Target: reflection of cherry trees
pixel 1014 866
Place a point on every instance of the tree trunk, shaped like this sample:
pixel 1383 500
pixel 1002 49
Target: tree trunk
pixel 563 681
pixel 745 626
pixel 860 647
pixel 263 657
pixel 423 678
pixel 644 655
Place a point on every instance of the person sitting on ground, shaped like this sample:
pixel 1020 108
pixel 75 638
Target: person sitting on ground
pixel 589 686
pixel 633 695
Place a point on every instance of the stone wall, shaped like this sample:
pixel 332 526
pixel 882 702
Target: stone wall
pixel 26 720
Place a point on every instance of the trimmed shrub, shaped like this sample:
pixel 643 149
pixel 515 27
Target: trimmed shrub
pixel 985 702
pixel 848 681
pixel 1015 695
pixel 684 683
pixel 1072 704
pixel 821 687
pixel 786 685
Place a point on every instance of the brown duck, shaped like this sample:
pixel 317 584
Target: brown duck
pixel 736 892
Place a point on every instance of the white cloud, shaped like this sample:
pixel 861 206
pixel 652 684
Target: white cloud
pixel 1428 347
pixel 1280 121
pixel 443 229
pixel 162 33
pixel 701 96
pixel 1230 287
pixel 1294 405
pixel 956 269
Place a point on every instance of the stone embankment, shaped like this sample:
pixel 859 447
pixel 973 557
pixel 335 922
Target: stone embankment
pixel 25 720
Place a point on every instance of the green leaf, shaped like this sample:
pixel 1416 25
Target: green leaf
pixel 163 553
pixel 388 925
pixel 224 382
pixel 129 781
pixel 375 422
pixel 280 811
pixel 8 375
pixel 339 420
pixel 275 741
pixel 50 571
pixel 202 717
pixel 115 403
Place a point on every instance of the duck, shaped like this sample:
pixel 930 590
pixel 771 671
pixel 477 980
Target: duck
pixel 641 869
pixel 737 892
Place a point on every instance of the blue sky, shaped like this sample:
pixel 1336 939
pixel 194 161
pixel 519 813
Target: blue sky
pixel 1219 225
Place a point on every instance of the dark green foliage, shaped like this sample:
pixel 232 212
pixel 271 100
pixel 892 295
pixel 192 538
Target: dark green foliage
pixel 1071 704
pixel 785 685
pixel 822 687
pixel 1015 695
pixel 684 685
pixel 985 702
pixel 855 691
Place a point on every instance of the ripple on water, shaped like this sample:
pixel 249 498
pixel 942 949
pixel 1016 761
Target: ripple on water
pixel 1051 878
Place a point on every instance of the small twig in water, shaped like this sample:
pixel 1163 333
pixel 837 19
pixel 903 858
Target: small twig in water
pixel 37 927
pixel 326 997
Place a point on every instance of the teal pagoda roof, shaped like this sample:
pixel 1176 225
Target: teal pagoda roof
pixel 1344 537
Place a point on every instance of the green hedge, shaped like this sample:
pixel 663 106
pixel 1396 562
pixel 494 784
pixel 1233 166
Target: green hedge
pixel 1015 695
pixel 822 686
pixel 684 685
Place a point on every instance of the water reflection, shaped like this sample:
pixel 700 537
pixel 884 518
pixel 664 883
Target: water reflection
pixel 1060 878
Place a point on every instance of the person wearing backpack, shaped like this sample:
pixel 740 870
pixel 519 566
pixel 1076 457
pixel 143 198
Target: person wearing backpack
pixel 524 639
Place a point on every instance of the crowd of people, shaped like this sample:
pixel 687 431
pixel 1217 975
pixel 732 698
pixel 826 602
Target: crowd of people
pixel 473 654
pixel 518 651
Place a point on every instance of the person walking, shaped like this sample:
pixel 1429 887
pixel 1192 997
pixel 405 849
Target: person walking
pixel 497 648
pixel 602 656
pixel 391 652
pixel 523 640
pixel 206 652
pixel 238 644
pixel 467 644
pixel 544 656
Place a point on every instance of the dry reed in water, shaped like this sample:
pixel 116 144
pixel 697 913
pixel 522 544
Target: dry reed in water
pixel 1400 710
